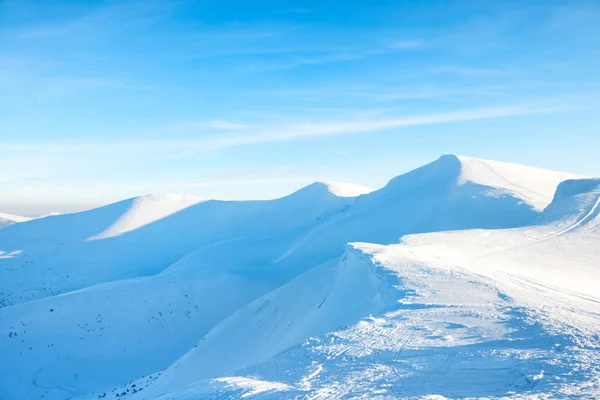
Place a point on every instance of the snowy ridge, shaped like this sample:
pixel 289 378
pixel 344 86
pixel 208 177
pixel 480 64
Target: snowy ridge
pixel 326 193
pixel 535 186
pixel 342 189
pixel 447 333
pixel 143 236
pixel 145 210
pixel 316 302
pixel 98 337
pixel 14 218
pixel 450 265
pixel 575 205
pixel 9 219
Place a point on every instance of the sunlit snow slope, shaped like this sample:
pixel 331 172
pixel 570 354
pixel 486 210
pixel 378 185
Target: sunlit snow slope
pixel 9 219
pixel 178 298
pixel 466 314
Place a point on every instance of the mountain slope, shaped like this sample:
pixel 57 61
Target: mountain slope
pixel 316 302
pixel 9 219
pixel 141 237
pixel 145 210
pixel 74 341
pixel 164 272
pixel 450 193
pixel 479 313
pixel 535 186
pixel 111 333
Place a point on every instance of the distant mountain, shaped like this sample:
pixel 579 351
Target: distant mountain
pixel 9 219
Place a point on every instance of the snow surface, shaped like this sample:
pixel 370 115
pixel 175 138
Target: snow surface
pixel 455 285
pixel 534 185
pixel 145 210
pixel 342 189
pixel 9 219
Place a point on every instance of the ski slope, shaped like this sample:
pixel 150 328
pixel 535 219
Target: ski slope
pixel 465 278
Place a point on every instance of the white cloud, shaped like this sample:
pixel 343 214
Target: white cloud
pixel 226 125
pixel 407 44
pixel 467 71
pixel 181 148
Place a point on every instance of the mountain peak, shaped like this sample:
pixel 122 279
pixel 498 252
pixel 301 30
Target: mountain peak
pixel 10 219
pixel 534 186
pixel 14 218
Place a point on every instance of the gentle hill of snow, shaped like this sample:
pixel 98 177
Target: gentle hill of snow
pixel 450 193
pixel 342 189
pixel 108 334
pixel 96 299
pixel 9 219
pixel 14 218
pixel 535 186
pixel 316 302
pixel 60 257
pixel 478 313
pixel 559 256
pixel 167 312
pixel 145 210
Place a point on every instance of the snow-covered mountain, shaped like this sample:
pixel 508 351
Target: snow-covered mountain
pixel 9 219
pixel 472 278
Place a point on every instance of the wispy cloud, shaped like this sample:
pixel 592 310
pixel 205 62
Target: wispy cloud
pixel 254 134
pixel 214 125
pixel 470 71
pixel 226 125
pixel 294 61
pixel 407 44
pixel 338 128
pixel 94 19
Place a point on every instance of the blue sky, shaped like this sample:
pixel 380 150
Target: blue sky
pixel 105 100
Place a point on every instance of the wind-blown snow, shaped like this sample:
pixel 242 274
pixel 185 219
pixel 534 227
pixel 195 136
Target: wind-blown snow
pixel 460 287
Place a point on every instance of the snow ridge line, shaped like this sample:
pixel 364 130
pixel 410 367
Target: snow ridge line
pixel 387 277
pixel 588 217
pixel 499 175
pixel 581 221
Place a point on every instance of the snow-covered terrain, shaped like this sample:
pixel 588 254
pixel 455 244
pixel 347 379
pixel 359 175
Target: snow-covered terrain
pixel 9 219
pixel 465 278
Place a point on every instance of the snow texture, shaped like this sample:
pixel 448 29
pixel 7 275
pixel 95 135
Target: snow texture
pixel 464 278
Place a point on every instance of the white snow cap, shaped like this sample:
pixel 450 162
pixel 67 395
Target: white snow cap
pixel 14 218
pixel 536 186
pixel 342 189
